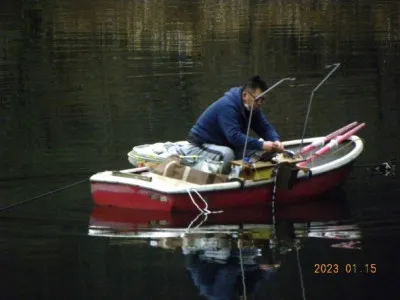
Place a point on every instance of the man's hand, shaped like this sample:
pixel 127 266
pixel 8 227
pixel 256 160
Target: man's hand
pixel 272 146
pixel 279 146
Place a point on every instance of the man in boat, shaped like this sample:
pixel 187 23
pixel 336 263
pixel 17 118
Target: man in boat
pixel 220 131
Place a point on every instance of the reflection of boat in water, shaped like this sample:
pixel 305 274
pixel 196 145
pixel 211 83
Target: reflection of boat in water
pixel 317 211
pixel 230 254
pixel 223 261
pixel 312 219
pixel 333 231
pixel 345 236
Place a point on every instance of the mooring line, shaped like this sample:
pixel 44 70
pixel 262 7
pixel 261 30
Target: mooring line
pixel 273 203
pixel 300 272
pixel 43 195
pixel 202 213
pixel 43 176
pixel 205 209
pixel 242 270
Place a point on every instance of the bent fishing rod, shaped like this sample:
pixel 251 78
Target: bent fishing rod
pixel 272 87
pixel 252 106
pixel 336 65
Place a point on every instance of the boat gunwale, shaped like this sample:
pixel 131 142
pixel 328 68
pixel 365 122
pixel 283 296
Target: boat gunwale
pixel 107 177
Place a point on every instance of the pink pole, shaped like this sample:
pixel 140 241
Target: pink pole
pixel 327 138
pixel 332 144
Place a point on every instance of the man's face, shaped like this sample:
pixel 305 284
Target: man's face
pixel 250 95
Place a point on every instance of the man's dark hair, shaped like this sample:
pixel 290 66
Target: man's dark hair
pixel 256 82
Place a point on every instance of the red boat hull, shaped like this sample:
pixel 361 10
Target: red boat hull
pixel 125 196
pixel 316 211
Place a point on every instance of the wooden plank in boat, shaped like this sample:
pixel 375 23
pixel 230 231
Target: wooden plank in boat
pixel 259 164
pixel 131 175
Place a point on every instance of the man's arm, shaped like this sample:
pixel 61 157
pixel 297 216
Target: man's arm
pixel 231 129
pixel 263 128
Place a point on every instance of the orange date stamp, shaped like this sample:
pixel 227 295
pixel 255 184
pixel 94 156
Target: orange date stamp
pixel 344 269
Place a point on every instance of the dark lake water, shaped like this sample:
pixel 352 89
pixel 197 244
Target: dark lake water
pixel 82 82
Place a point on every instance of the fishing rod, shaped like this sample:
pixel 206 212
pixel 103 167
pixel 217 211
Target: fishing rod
pixel 272 87
pixel 336 65
pixel 252 106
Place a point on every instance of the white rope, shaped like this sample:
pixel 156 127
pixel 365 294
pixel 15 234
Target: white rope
pixel 195 219
pixel 205 210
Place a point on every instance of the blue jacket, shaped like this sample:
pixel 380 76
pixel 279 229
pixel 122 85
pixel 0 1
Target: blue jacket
pixel 225 123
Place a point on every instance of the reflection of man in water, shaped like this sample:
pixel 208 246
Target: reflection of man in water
pixel 216 270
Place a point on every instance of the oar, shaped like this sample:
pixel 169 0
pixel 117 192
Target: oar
pixel 332 144
pixel 322 141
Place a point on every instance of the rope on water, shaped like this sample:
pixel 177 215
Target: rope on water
pixel 43 195
pixel 195 219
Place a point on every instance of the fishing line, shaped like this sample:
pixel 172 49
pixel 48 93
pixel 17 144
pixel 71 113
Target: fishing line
pixel 43 195
pixel 248 132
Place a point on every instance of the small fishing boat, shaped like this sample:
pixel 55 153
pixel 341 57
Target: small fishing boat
pixel 307 168
pixel 323 170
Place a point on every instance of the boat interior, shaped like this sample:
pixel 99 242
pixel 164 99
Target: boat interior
pixel 147 177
